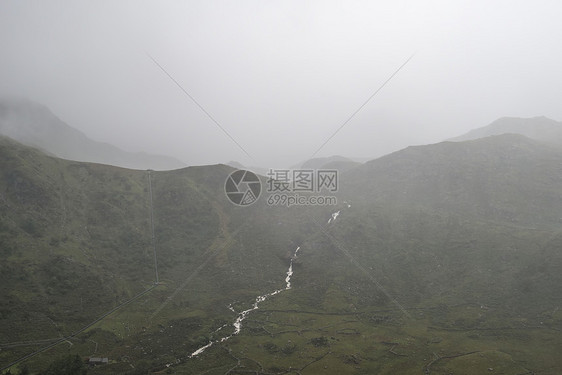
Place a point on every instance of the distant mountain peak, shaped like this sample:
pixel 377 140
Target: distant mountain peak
pixel 35 125
pixel 540 128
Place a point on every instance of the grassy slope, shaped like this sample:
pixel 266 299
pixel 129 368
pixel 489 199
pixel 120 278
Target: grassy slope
pixel 474 281
pixel 465 237
pixel 76 240
pixel 76 243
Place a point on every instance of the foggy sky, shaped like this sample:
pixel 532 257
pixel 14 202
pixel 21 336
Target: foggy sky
pixel 282 76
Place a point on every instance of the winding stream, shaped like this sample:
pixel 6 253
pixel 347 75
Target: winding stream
pixel 237 324
pixel 244 314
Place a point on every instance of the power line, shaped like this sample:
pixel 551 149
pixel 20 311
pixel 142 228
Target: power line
pixel 199 105
pixel 152 227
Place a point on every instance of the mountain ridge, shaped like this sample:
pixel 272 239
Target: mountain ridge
pixel 481 176
pixel 35 125
pixel 539 128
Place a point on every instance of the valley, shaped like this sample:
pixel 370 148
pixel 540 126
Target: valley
pixel 395 279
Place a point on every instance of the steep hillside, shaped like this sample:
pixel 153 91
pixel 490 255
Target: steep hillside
pixel 76 238
pixel 76 242
pixel 508 178
pixel 437 259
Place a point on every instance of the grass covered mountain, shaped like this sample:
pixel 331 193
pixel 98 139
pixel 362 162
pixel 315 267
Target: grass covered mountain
pixel 75 242
pixel 506 179
pixel 443 259
pixel 539 128
pixel 35 125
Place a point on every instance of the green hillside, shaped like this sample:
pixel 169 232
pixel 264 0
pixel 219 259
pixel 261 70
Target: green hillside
pixel 507 178
pixel 443 259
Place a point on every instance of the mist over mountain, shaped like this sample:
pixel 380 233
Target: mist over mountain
pixel 540 128
pixel 379 249
pixel 35 125
pixel 502 178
